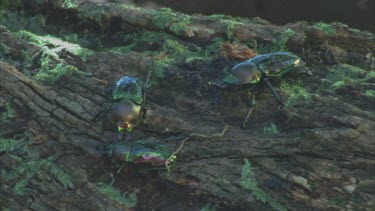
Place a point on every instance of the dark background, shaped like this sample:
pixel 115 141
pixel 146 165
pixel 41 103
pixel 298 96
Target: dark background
pixel 358 14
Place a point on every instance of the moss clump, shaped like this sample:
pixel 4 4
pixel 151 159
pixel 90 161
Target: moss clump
pixel 27 164
pixel 369 93
pixel 8 113
pixel 248 182
pixel 343 74
pixel 326 28
pixel 277 45
pixel 52 67
pixel 229 22
pixel 296 92
pixel 55 43
pixel 69 4
pixel 272 130
pixel 9 4
pixel 209 207
pixel 49 75
pixel 338 201
pixel 94 14
pixel 16 21
pixel 280 43
pixel 127 200
pixel 164 50
pixel 177 23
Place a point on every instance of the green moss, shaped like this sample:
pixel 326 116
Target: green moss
pixel 338 201
pixel 69 4
pixel 4 4
pixel 16 21
pixel 296 92
pixel 52 67
pixel 370 93
pixel 343 74
pixel 209 207
pixel 272 130
pixel 8 145
pixel 326 28
pixel 8 113
pixel 93 14
pixel 9 4
pixel 177 23
pixel 248 182
pixel 54 43
pixel 229 22
pixel 28 165
pixel 127 200
pixel 277 45
pixel 230 25
pixel 280 43
pixel 51 75
pixel 174 47
pixel 167 51
pixel 214 47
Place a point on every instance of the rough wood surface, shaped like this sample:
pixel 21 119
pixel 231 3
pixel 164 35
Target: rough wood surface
pixel 325 149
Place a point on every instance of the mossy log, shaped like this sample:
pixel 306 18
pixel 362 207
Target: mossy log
pixel 323 158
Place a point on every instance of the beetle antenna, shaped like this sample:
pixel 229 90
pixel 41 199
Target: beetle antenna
pixel 142 112
pixel 146 85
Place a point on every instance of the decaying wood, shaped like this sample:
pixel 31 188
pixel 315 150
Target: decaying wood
pixel 326 149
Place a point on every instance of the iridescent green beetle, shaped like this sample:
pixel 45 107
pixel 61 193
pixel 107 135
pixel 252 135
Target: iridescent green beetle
pixel 155 155
pixel 247 75
pixel 127 104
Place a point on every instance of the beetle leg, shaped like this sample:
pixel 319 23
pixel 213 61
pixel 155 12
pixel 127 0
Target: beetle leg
pixel 252 106
pixel 127 137
pixel 143 112
pixel 145 85
pixel 281 104
pixel 102 112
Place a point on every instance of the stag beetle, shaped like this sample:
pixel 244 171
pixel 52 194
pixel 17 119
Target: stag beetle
pixel 247 75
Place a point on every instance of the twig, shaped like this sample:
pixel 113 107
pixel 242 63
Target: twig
pixel 212 135
pixel 194 135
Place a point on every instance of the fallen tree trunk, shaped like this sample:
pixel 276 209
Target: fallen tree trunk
pixel 323 158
